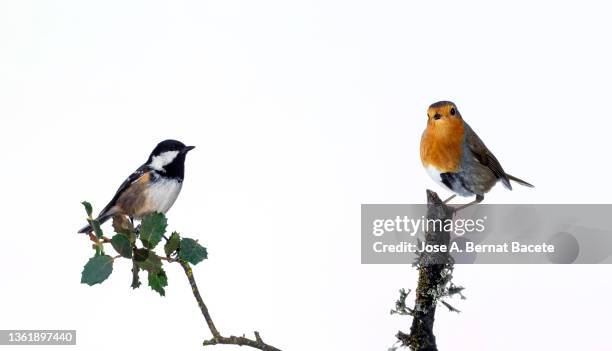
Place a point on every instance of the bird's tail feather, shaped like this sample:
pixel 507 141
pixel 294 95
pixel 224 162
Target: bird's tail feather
pixel 88 228
pixel 520 181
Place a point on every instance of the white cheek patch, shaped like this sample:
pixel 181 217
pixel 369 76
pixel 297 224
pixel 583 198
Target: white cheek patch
pixel 165 158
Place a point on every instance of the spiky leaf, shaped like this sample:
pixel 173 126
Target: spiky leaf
pixel 152 229
pixel 97 269
pixel 88 208
pixel 157 281
pixel 96 227
pixel 122 245
pixel 147 260
pixel 172 244
pixel 191 251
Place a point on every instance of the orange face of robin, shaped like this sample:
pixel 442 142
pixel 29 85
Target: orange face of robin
pixel 441 143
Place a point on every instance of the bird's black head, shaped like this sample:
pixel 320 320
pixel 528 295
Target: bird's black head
pixel 168 157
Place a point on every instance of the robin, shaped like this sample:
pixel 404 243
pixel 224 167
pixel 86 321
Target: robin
pixel 454 156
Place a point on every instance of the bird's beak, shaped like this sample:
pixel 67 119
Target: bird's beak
pixel 186 149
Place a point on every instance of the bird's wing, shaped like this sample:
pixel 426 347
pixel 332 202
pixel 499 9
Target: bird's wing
pixel 484 156
pixel 141 171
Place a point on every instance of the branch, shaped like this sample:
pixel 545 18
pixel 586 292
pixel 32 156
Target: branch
pixel 135 277
pixel 434 274
pixel 217 338
pixel 100 266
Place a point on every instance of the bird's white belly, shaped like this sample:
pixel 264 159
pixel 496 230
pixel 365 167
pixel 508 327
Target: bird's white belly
pixel 435 175
pixel 162 194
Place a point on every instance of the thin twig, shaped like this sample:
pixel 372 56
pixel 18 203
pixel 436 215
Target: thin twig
pixel 217 338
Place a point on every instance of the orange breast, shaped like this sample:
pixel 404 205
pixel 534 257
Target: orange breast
pixel 442 145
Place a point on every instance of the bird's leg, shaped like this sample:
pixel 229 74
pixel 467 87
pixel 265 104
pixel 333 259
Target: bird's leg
pixel 478 200
pixel 137 228
pixel 450 198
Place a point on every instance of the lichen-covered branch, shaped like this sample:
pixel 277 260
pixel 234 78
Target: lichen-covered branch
pixel 435 273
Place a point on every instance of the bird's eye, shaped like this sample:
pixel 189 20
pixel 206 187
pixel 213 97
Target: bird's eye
pixel 452 111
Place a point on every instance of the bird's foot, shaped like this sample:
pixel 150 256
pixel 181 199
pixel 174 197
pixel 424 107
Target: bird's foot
pixel 450 198
pixel 478 200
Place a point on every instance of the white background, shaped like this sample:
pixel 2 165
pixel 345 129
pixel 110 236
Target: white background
pixel 300 111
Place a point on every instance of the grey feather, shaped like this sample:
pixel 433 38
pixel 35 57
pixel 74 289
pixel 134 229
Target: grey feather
pixel 485 156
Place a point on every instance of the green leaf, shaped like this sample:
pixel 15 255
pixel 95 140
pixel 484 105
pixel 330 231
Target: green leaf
pixel 152 229
pixel 157 281
pixel 88 208
pixel 191 251
pixel 122 245
pixel 95 224
pixel 147 260
pixel 97 269
pixel 172 244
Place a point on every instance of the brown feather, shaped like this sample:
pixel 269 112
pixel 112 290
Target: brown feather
pixel 133 200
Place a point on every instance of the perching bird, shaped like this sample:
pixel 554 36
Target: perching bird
pixel 153 187
pixel 454 155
